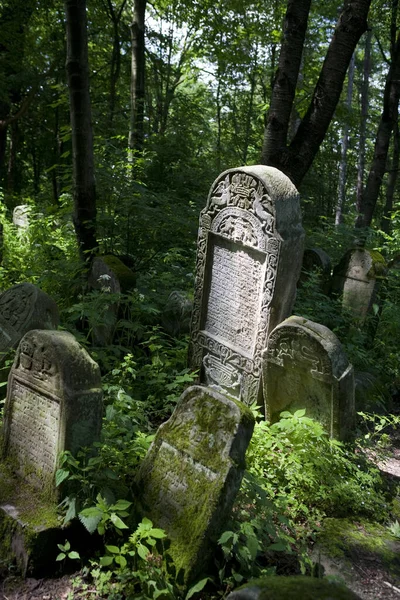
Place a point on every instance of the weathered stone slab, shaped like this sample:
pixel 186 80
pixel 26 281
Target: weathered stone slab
pixel 317 260
pixel 177 314
pixel 189 479
pixel 249 254
pixel 296 587
pixel 305 367
pixel 21 216
pixel 22 308
pixel 357 279
pixel 54 403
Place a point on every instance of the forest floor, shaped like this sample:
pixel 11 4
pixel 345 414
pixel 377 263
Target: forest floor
pixel 368 562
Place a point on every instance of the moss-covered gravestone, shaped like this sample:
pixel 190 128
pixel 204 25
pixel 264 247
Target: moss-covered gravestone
pixel 305 367
pixel 293 588
pixel 249 253
pixel 357 279
pixel 189 479
pixel 54 403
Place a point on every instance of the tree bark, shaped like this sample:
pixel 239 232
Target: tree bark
pixel 296 159
pixel 84 190
pixel 364 116
pixel 284 88
pixel 136 130
pixel 392 181
pixel 345 145
pixel 386 124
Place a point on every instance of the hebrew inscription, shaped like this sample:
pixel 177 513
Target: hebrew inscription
pixel 33 437
pixel 249 254
pixel 234 296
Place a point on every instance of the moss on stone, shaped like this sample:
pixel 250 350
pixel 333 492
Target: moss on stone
pixel 293 588
pixel 343 539
pixel 125 276
pixel 379 266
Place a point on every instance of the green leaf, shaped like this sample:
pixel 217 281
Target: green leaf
pixel 61 556
pixel 106 561
pixel 121 505
pixel 300 413
pixel 61 475
pixel 117 521
pixel 197 587
pixel 121 561
pixel 143 551
pixel 90 522
pixel 227 535
pixel 158 533
pixel 113 549
pixel 278 547
pixel 73 555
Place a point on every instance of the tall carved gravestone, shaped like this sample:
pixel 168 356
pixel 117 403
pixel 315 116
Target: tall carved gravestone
pixel 190 477
pixel 305 367
pixel 54 403
pixel 249 254
pixel 357 279
pixel 22 308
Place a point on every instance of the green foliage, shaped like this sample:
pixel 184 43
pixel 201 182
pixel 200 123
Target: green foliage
pixel 394 529
pixel 66 552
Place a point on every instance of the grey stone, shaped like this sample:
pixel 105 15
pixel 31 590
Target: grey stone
pixel 21 216
pixel 249 252
pixel 305 367
pixel 176 314
pixel 54 403
pixel 189 479
pixel 357 279
pixel 295 587
pixel 22 308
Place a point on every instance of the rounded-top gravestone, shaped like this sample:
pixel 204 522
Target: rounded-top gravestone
pixel 54 403
pixel 305 367
pixel 249 253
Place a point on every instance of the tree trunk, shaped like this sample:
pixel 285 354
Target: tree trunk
pixel 84 190
pixel 284 89
pixel 364 116
pixel 296 159
pixel 115 67
pixel 386 124
pixel 136 131
pixel 345 145
pixel 392 181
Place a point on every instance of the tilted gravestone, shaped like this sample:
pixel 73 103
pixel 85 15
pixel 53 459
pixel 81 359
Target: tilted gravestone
pixel 54 403
pixel 189 479
pixel 22 308
pixel 357 279
pixel 317 261
pixel 305 367
pixel 249 254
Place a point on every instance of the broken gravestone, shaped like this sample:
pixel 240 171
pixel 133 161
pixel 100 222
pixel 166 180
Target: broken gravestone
pixel 317 261
pixel 54 404
pixel 357 279
pixel 176 315
pixel 249 253
pixel 305 367
pixel 108 275
pixel 190 477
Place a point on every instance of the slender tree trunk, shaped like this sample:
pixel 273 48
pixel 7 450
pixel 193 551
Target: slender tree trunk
pixel 296 159
pixel 364 117
pixel 115 67
pixel 385 128
pixel 136 130
pixel 284 89
pixel 345 145
pixel 84 190
pixel 392 180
